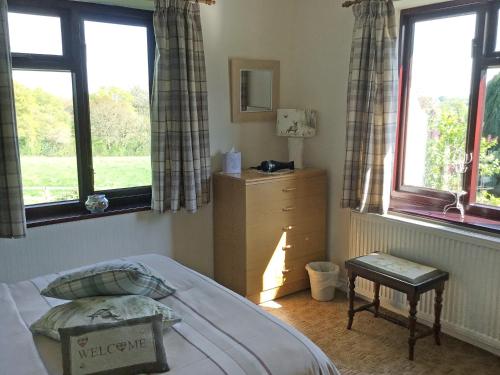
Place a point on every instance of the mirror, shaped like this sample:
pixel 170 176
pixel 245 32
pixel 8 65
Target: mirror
pixel 254 90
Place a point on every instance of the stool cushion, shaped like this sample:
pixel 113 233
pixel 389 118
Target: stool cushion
pixel 396 267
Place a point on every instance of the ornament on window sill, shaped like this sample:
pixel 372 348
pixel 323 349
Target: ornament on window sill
pixel 97 203
pixel 460 168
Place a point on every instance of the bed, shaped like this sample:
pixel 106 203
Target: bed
pixel 220 333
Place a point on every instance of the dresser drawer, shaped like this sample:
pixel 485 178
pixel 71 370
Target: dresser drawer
pixel 279 273
pixel 285 191
pixel 260 251
pixel 305 244
pixel 286 210
pixel 275 232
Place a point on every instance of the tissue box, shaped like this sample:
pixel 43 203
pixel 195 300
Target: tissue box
pixel 231 162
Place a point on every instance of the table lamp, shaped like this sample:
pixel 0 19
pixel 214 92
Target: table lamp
pixel 296 124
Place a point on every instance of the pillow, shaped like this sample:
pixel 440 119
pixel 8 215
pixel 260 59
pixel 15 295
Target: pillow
pixel 117 277
pixel 103 309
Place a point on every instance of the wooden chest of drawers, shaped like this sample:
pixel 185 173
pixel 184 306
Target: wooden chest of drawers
pixel 267 228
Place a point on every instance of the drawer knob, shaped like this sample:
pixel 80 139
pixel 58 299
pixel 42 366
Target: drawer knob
pixel 288 209
pixel 284 272
pixel 288 227
pixel 287 190
pixel 286 247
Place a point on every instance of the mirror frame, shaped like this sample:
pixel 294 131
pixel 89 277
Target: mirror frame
pixel 236 65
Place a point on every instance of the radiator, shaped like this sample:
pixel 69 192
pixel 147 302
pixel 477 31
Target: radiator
pixel 471 309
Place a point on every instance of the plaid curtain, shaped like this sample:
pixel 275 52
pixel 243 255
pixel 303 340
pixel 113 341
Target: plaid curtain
pixel 179 109
pixel 371 108
pixel 12 218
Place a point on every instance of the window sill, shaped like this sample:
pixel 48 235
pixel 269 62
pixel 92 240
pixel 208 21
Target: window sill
pixel 84 215
pixel 469 222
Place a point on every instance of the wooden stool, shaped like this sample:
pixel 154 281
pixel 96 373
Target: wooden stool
pixel 411 278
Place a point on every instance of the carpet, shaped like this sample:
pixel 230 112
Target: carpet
pixel 376 346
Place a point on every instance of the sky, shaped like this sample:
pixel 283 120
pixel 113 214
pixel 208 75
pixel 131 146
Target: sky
pixel 442 62
pixel 116 54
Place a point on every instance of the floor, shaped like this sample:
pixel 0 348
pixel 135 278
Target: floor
pixel 375 346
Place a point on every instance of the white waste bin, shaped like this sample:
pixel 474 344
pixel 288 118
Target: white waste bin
pixel 323 277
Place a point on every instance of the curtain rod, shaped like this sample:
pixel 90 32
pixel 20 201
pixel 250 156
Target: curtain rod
pixel 347 4
pixel 208 2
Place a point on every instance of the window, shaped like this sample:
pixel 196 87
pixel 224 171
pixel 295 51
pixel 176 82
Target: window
pixel 82 75
pixel 438 101
pixel 35 34
pixel 46 130
pixel 118 82
pixel 450 111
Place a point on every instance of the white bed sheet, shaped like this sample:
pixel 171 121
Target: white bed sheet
pixel 221 332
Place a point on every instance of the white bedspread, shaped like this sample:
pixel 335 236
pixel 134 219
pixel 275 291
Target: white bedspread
pixel 221 332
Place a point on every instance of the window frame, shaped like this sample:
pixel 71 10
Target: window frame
pixel 425 201
pixel 73 60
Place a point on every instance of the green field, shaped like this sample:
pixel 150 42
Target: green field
pixel 51 179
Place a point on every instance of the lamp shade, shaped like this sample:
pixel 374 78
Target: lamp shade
pixel 299 123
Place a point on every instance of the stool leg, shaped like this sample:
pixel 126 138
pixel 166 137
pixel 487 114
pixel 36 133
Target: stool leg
pixel 412 325
pixel 438 305
pixel 352 285
pixel 376 299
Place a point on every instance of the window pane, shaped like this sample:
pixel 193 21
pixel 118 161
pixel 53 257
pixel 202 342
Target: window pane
pixel 35 34
pixel 488 190
pixel 438 102
pixel 117 66
pixel 45 123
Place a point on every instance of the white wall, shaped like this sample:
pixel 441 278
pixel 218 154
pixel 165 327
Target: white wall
pixel 323 43
pixel 239 28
